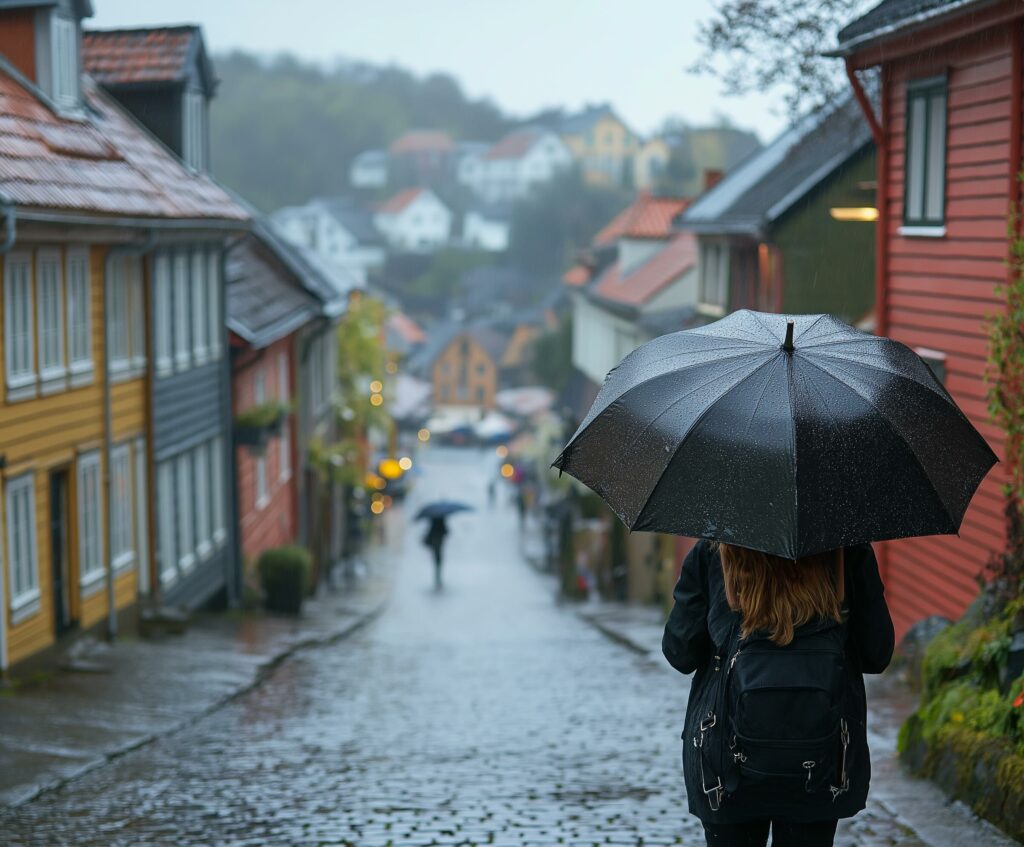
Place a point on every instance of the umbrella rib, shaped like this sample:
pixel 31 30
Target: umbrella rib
pixel 944 394
pixel 697 421
pixel 895 432
pixel 767 328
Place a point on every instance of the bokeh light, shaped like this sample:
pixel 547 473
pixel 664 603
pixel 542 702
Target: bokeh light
pixel 423 435
pixel 405 463
pixel 507 470
pixel 376 399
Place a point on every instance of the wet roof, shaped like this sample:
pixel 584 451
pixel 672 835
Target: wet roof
pixel 142 55
pixel 890 16
pixel 100 161
pixel 645 217
pixel 766 184
pixel 650 277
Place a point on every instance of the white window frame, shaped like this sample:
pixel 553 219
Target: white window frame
pixel 925 146
pixel 214 286
pixel 141 514
pixel 50 321
pixel 185 494
pixel 19 327
pixel 137 312
pixel 163 313
pixel 78 294
pixel 122 543
pixel 118 318
pixel 713 297
pixel 200 321
pixel 64 60
pixel 167 531
pixel 217 476
pixel 204 520
pixel 90 529
pixel 22 552
pixel 181 310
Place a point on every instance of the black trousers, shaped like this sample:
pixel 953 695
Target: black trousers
pixel 784 834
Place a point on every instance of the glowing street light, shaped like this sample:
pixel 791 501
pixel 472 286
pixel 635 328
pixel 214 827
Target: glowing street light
pixel 405 463
pixel 507 470
pixel 390 469
pixel 376 399
pixel 376 386
pixel 377 507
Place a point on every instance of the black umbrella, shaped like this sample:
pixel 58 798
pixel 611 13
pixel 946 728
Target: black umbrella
pixel 786 443
pixel 441 509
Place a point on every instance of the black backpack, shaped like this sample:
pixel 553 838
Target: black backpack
pixel 776 727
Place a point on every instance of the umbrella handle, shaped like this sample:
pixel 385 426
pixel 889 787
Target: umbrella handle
pixel 787 345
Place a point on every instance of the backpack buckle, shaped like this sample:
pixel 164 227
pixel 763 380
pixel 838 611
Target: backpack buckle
pixel 708 722
pixel 714 793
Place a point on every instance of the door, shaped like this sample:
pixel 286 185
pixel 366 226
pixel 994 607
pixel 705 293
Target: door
pixel 59 559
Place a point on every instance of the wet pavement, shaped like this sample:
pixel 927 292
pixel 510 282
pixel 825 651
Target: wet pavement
pixel 484 713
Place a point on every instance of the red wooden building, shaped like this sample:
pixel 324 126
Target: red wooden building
pixel 947 123
pixel 267 311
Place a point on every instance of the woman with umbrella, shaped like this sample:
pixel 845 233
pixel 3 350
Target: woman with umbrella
pixel 437 513
pixel 787 447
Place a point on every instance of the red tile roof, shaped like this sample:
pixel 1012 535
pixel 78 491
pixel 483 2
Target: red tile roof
pixel 515 145
pixel 102 163
pixel 577 276
pixel 395 204
pixel 646 217
pixel 406 328
pixel 137 55
pixel 649 277
pixel 422 141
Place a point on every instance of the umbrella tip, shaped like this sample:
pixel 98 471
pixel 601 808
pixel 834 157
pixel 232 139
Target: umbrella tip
pixel 787 345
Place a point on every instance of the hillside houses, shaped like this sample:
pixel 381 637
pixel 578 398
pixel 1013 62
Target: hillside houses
pixel 414 220
pixel 512 167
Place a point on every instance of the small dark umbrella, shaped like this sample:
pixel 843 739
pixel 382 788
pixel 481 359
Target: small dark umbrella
pixel 790 443
pixel 441 509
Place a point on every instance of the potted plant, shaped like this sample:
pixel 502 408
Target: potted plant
pixel 258 424
pixel 284 576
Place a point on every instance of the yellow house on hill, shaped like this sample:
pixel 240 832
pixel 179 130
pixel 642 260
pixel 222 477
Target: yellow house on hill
pixel 601 144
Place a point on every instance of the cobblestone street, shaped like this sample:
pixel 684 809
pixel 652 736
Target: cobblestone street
pixel 484 713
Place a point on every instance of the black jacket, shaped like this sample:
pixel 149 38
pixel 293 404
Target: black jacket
pixel 701 619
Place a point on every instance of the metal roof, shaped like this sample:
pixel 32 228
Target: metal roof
pixel 892 16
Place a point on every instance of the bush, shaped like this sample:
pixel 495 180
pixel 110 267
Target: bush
pixel 284 575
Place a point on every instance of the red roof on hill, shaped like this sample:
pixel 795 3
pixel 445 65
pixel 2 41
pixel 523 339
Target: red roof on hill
pixel 395 204
pixel 406 328
pixel 646 217
pixel 651 276
pixel 103 162
pixel 576 276
pixel 137 55
pixel 422 141
pixel 514 145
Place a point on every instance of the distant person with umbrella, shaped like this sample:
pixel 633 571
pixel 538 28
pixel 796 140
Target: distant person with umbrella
pixel 787 446
pixel 437 513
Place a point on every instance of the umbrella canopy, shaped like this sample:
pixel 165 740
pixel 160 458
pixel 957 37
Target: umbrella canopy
pixel 789 444
pixel 441 509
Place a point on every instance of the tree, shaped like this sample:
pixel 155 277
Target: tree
pixel 552 356
pixel 759 45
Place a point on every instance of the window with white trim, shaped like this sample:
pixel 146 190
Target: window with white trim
pixel 167 558
pixel 118 339
pixel 218 492
pixel 259 395
pixel 19 334
pixel 714 277
pixel 925 173
pixel 204 520
pixel 137 312
pixel 200 320
pixel 316 375
pixel 213 289
pixel 181 311
pixel 50 317
pixel 141 514
pixel 186 495
pixel 64 52
pixel 79 310
pixel 122 547
pixel 163 313
pixel 193 122
pixel 21 545
pixel 284 442
pixel 90 539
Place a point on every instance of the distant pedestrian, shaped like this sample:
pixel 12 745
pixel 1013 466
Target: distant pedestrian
pixel 434 539
pixel 521 506
pixel 491 493
pixel 775 733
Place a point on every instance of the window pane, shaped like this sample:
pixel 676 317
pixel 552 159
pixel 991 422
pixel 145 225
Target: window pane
pixel 162 318
pixel 181 311
pixel 137 315
pixel 166 553
pixel 285 447
pixel 49 308
pixel 217 492
pixel 141 515
pixel 204 520
pixel 915 159
pixel 935 185
pixel 213 309
pixel 118 317
pixel 79 310
pixel 200 322
pixel 89 551
pixel 186 495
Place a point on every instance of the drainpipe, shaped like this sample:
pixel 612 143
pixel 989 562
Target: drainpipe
pixel 10 226
pixel 233 579
pixel 113 254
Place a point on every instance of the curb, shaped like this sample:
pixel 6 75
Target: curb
pixel 614 634
pixel 262 673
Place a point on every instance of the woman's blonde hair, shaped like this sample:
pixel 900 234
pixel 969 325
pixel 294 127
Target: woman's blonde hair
pixel 776 595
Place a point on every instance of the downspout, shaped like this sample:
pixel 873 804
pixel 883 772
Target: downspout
pixel 881 190
pixel 113 254
pixel 232 579
pixel 10 226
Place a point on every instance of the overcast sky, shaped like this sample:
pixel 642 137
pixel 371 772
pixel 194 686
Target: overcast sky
pixel 523 54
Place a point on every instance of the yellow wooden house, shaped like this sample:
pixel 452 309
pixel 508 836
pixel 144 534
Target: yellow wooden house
pixel 602 145
pixel 86 197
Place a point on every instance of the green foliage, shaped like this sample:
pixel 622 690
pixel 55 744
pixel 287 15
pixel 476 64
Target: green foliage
pixel 262 415
pixel 697 150
pixel 552 356
pixel 558 219
pixel 441 278
pixel 284 130
pixel 284 575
